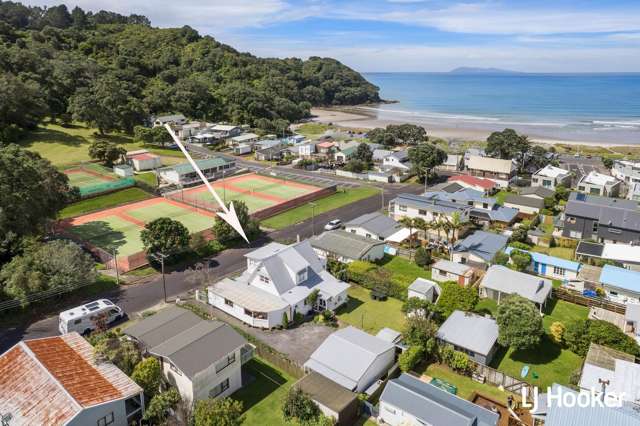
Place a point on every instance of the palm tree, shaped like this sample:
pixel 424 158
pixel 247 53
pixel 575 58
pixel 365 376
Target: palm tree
pixel 455 224
pixel 420 224
pixel 408 222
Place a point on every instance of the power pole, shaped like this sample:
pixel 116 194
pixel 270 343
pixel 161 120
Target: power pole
pixel 115 264
pixel 313 223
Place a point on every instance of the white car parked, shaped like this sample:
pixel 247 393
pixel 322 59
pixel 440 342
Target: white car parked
pixel 334 224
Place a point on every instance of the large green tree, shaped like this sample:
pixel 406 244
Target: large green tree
pixel 157 411
pixel 218 412
pixel 32 192
pixel 455 297
pixel 225 233
pixel 113 347
pixel 425 157
pixel 519 323
pixel 579 334
pixel 148 374
pixel 507 144
pixel 300 407
pixel 53 265
pixel 106 152
pixel 21 106
pixel 166 236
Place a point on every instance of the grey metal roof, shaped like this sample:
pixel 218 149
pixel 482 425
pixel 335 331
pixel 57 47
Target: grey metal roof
pixel 192 345
pixel 470 331
pixel 482 244
pixel 208 163
pixel 615 212
pixel 462 196
pixel 508 281
pixel 575 415
pixel 401 155
pixel 376 223
pixel 162 325
pixel 432 405
pixel 326 392
pixel 343 243
pixel 421 285
pixel 453 267
pixel 434 205
pixel 449 187
pixel 496 214
pixel 346 355
pixel 540 191
pixel 173 117
pixel 520 200
pixel 197 348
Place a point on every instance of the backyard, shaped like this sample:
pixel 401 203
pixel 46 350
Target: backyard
pixel 561 252
pixel 403 270
pixel 549 361
pixel 262 396
pixel 371 315
pixel 334 201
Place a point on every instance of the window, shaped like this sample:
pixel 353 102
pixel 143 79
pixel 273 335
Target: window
pixel 106 420
pixel 264 279
pixel 615 231
pixel 422 212
pixel 230 359
pixel 470 203
pixel 558 271
pixel 302 276
pixel 594 191
pixel 581 188
pixel 485 205
pixel 228 302
pixel 613 293
pixel 402 208
pixel 575 234
pixel 441 272
pixel 78 321
pixel 221 387
pixel 595 227
pixel 546 183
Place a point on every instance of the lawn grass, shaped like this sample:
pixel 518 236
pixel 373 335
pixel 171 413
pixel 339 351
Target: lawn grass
pixel 487 306
pixel 371 315
pixel 561 252
pixel 402 270
pixel 68 145
pixel 466 386
pixel 103 201
pixel 313 130
pixel 334 201
pixel 262 398
pixel 501 195
pixel 551 362
pixel 148 178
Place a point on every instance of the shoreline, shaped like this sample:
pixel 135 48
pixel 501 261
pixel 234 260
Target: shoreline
pixel 360 118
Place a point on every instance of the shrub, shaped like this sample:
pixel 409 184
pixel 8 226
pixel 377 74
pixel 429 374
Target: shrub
pixel 581 333
pixel 148 374
pixel 298 406
pixel 521 260
pixel 501 258
pixel 422 257
pixel 456 298
pixel 285 320
pixel 557 330
pixel 457 361
pixel 519 323
pixel 521 246
pixel 372 277
pixel 410 358
pixel 519 235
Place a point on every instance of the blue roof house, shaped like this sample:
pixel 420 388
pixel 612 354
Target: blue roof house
pixel 621 285
pixel 479 248
pixel 407 400
pixel 550 266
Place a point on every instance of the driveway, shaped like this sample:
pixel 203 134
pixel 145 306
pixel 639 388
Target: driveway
pixel 296 343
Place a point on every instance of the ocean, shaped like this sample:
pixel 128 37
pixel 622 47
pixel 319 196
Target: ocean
pixel 576 107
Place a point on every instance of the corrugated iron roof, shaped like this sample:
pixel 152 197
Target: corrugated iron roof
pixel 50 380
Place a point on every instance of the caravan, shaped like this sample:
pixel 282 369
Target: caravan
pixel 86 318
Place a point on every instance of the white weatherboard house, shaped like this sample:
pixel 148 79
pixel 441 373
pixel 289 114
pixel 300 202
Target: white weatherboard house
pixel 352 358
pixel 201 358
pixel 346 246
pixel 550 177
pixel 550 266
pixel 373 225
pixel 472 334
pixel 277 281
pixel 56 381
pixel 500 281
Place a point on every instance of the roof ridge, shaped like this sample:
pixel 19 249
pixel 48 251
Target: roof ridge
pixel 33 356
pixel 203 321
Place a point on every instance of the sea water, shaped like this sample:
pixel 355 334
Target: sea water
pixel 581 107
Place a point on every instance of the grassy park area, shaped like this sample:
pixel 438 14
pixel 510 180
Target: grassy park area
pixel 104 201
pixel 334 201
pixel 371 315
pixel 262 397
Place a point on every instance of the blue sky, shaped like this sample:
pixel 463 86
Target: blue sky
pixel 414 35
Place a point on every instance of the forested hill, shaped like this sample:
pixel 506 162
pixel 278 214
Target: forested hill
pixel 112 71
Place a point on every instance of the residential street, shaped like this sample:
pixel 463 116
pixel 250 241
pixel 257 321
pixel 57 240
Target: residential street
pixel 139 297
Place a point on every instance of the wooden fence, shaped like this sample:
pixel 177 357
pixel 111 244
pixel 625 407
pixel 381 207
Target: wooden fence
pixel 578 299
pixel 498 378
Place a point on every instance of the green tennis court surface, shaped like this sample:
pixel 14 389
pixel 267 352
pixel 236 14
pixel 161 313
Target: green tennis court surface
pixel 111 232
pixel 277 189
pixel 195 222
pixel 203 196
pixel 81 179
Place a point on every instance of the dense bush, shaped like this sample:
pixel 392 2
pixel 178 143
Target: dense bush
pixel 519 323
pixel 456 298
pixel 370 276
pixel 410 358
pixel 456 360
pixel 579 334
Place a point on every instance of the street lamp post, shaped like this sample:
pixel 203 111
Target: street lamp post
pixel 161 257
pixel 313 223
pixel 382 197
pixel 115 264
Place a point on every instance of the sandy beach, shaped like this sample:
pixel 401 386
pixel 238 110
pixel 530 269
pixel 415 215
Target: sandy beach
pixel 365 118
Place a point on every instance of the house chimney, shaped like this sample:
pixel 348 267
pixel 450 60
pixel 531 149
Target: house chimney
pixel 297 238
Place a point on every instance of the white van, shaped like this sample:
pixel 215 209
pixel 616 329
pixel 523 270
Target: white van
pixel 84 319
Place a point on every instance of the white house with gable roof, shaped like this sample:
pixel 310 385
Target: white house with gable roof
pixel 277 281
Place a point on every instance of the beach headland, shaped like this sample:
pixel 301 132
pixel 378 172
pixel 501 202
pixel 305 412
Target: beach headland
pixel 365 117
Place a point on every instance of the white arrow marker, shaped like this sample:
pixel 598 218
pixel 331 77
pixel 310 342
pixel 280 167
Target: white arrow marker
pixel 228 214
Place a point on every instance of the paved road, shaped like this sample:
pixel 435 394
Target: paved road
pixel 139 297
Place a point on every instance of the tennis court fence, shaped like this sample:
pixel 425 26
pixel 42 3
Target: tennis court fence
pixel 110 181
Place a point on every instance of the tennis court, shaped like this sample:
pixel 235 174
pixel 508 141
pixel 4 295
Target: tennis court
pixel 258 192
pixel 92 179
pixel 119 228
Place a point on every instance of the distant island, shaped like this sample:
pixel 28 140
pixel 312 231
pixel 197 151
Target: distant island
pixel 474 70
